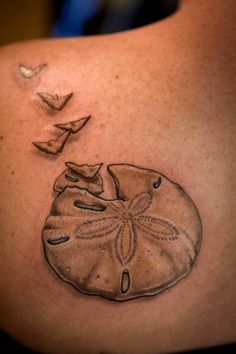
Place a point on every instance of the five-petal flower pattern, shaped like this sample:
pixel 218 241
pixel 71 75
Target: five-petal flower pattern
pixel 127 219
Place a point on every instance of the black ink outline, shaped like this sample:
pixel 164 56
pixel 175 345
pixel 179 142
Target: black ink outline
pixel 79 169
pixel 156 184
pixel 125 278
pixel 76 169
pixel 71 178
pixel 91 207
pixel 159 289
pixel 42 146
pixel 58 241
pixel 47 146
pixel 74 126
pixel 48 98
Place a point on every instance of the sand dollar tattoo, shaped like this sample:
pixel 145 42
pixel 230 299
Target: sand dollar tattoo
pixel 139 244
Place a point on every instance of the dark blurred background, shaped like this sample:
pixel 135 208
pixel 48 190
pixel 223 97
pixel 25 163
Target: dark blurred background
pixel 30 19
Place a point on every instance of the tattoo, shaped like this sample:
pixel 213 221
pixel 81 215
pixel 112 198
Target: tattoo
pixel 55 102
pixel 28 72
pixel 139 244
pixel 55 146
pixel 57 241
pixel 83 177
pixel 157 183
pixel 74 126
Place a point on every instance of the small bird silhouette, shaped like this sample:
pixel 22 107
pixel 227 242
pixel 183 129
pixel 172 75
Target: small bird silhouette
pixel 53 146
pixel 87 171
pixel 54 101
pixel 74 126
pixel 28 72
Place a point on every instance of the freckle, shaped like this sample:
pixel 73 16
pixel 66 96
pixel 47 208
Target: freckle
pixel 12 233
pixel 12 173
pixel 117 76
pixel 102 125
pixel 1 137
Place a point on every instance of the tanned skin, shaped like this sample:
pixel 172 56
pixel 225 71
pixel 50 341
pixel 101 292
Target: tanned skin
pixel 162 98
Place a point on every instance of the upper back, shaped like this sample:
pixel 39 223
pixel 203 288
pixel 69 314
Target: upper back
pixel 162 99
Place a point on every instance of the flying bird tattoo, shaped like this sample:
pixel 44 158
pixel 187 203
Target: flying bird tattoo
pixel 28 72
pixel 87 171
pixel 55 102
pixel 74 126
pixel 53 146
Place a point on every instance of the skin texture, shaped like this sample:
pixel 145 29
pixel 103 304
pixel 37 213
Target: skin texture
pixel 162 97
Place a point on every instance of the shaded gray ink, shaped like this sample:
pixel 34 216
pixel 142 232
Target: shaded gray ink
pixel 88 171
pixel 157 183
pixel 71 178
pixel 53 146
pixel 59 240
pixel 93 207
pixel 55 102
pixel 80 176
pixel 135 246
pixel 29 72
pixel 75 125
pixel 125 281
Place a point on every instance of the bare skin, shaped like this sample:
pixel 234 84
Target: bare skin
pixel 161 97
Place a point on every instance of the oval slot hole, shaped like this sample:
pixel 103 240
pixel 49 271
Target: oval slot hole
pixel 157 183
pixel 59 240
pixel 125 281
pixel 93 207
pixel 71 178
